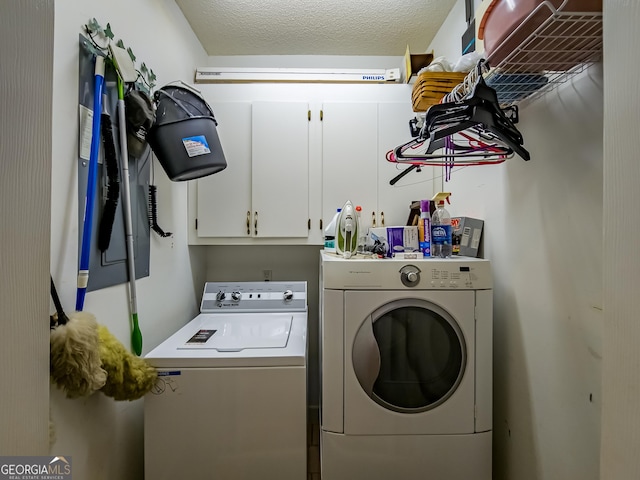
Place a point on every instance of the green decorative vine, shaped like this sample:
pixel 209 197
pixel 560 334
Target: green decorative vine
pixel 99 35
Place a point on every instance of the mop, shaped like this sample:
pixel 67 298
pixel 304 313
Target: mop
pixel 86 357
pixel 75 363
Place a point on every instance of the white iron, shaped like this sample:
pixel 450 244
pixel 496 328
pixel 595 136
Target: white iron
pixel 347 231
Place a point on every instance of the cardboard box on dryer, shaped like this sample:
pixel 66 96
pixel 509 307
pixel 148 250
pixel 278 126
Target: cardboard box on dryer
pixel 398 239
pixel 466 235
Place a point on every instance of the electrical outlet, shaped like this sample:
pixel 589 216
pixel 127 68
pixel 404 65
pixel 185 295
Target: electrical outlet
pixel 266 274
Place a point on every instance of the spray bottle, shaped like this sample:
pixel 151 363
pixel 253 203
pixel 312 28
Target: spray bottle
pixel 441 235
pixel 362 236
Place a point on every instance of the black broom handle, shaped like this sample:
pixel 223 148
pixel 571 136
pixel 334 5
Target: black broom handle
pixel 62 317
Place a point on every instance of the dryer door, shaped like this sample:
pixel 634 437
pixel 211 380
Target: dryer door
pixel 421 356
pixel 412 362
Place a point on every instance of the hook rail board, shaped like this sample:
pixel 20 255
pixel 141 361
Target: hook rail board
pixel 109 268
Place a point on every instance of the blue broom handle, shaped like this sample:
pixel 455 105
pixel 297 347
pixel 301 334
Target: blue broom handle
pixel 92 180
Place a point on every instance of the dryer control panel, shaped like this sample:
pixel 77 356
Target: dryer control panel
pixel 246 297
pixel 460 273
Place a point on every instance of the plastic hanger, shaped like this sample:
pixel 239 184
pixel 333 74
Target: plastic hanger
pixel 467 128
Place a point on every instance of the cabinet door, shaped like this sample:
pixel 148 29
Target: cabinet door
pixel 224 198
pixel 349 155
pixel 280 169
pixel 395 200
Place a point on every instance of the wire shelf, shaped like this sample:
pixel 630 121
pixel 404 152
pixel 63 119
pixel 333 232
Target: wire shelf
pixel 561 47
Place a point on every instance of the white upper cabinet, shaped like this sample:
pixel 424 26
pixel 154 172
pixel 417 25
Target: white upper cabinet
pixel 349 157
pixel 224 199
pixel 295 153
pixel 280 169
pixel 264 191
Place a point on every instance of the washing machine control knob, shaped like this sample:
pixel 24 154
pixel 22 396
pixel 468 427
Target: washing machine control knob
pixel 288 295
pixel 220 296
pixel 410 275
pixel 236 296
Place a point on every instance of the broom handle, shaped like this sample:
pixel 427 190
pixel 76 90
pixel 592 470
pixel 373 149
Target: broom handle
pixel 92 180
pixel 136 338
pixel 62 316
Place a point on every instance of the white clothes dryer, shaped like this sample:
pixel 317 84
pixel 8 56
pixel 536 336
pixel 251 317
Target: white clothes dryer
pixel 231 397
pixel 406 368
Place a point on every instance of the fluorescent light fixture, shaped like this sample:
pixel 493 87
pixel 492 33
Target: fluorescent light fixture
pixel 315 75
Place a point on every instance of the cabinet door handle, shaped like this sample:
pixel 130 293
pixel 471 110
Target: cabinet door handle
pixel 373 219
pixel 255 223
pixel 382 219
pixel 309 224
pixel 248 222
pixel 320 224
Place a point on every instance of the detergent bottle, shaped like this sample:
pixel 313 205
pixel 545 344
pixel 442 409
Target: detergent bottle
pixel 441 235
pixel 330 233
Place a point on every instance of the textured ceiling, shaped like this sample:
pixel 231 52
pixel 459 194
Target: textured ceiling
pixel 315 27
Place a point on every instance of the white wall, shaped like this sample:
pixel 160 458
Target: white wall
pixel 104 437
pixel 447 42
pixel 620 380
pixel 543 234
pixel 26 34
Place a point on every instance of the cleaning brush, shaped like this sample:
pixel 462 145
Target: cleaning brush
pixel 153 213
pixel 113 177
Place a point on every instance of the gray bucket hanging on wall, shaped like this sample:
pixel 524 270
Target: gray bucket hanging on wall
pixel 184 135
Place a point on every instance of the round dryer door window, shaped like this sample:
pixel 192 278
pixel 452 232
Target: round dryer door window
pixel 409 356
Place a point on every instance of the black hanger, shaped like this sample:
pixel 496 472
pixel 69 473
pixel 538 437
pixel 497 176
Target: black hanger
pixel 481 108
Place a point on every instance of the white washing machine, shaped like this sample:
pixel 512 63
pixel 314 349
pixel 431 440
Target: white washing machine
pixel 406 368
pixel 231 396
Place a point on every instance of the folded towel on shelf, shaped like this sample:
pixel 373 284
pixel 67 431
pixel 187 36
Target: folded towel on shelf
pixel 514 87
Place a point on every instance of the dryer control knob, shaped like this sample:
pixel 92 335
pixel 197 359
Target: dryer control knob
pixel 236 296
pixel 288 295
pixel 410 275
pixel 220 296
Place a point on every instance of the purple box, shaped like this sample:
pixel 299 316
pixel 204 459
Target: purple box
pixel 399 239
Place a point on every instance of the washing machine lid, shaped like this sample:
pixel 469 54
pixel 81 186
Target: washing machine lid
pixel 226 334
pixel 237 339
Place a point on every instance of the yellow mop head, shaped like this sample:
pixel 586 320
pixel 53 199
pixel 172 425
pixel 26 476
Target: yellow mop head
pixel 76 366
pixel 128 377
